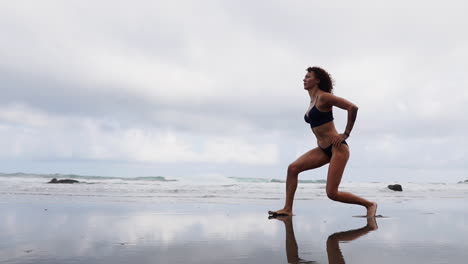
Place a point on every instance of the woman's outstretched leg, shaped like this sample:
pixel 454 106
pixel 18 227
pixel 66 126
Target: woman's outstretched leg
pixel 310 160
pixel 335 172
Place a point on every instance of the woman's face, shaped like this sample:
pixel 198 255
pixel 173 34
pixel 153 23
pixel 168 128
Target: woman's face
pixel 310 81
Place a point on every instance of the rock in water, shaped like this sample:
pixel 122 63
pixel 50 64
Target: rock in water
pixel 54 180
pixel 395 187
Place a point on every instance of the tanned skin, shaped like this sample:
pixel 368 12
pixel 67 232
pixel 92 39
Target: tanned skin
pixel 326 135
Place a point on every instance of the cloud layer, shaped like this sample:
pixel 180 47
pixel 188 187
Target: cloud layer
pixel 217 82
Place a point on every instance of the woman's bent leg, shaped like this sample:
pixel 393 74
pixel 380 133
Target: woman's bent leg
pixel 335 173
pixel 310 160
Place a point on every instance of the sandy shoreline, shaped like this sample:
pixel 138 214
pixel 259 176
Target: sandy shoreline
pixel 91 231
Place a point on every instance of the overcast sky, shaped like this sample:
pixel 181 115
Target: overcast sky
pixel 214 88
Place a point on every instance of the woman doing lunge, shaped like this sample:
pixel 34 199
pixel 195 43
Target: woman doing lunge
pixel 332 147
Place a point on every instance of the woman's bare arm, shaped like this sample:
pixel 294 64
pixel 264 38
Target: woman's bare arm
pixel 332 100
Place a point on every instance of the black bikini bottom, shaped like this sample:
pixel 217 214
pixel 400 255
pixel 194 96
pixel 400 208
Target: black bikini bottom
pixel 328 150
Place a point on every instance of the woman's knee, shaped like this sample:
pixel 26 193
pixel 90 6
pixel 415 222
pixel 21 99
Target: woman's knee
pixel 332 194
pixel 294 169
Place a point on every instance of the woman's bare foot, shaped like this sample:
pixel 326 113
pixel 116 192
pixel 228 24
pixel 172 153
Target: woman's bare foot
pixel 282 212
pixel 372 210
pixel 372 223
pixel 283 218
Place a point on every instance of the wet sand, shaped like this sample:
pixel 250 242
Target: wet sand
pixel 89 231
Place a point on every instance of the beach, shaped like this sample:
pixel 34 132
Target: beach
pixel 164 132
pixel 427 225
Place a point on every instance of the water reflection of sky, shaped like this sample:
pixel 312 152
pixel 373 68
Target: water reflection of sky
pixel 415 232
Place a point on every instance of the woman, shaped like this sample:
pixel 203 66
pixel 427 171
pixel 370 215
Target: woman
pixel 332 147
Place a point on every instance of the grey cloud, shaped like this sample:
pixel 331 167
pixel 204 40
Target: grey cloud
pixel 67 98
pixel 402 63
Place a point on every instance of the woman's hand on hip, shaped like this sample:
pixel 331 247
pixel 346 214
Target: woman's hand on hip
pixel 336 140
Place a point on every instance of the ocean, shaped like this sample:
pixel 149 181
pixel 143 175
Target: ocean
pixel 208 190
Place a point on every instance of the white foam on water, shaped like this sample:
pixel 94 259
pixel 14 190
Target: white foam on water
pixel 212 188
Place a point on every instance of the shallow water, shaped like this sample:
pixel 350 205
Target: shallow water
pixel 93 231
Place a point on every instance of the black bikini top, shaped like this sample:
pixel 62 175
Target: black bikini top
pixel 317 118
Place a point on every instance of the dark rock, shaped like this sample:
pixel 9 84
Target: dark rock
pixel 395 187
pixel 54 180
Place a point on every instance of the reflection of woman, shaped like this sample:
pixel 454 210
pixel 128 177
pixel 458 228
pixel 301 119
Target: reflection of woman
pixel 292 252
pixel 333 248
pixel 332 147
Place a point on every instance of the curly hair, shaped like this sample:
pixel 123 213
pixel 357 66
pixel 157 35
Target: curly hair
pixel 326 82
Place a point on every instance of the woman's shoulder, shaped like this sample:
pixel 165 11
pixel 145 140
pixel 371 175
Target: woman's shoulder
pixel 326 100
pixel 325 97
